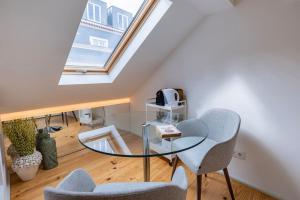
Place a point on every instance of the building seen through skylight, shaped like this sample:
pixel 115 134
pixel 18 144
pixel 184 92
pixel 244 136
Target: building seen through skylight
pixel 102 27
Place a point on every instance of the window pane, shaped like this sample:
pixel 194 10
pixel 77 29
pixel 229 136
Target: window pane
pixel 100 33
pixel 90 11
pixel 125 22
pixel 97 14
pixel 120 21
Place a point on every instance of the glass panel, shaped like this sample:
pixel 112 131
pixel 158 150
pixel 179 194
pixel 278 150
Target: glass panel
pixel 125 22
pixel 90 11
pixel 110 23
pixel 97 14
pixel 120 20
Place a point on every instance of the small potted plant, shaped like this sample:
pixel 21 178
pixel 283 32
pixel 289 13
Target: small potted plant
pixel 25 158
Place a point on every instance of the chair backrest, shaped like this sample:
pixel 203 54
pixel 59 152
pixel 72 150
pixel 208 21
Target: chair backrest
pixel 223 124
pixel 158 192
pixel 175 190
pixel 223 127
pixel 193 127
pixel 217 124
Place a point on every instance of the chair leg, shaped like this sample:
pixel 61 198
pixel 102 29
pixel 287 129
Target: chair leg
pixel 174 163
pixel 74 115
pixel 66 117
pixel 49 119
pixel 225 170
pixel 199 186
pixel 63 117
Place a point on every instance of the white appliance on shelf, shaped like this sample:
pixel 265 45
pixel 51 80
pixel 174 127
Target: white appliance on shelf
pixel 171 97
pixel 171 115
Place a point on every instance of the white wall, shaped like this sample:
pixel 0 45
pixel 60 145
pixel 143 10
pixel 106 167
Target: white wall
pixel 246 59
pixel 4 177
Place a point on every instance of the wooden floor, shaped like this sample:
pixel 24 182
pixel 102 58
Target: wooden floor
pixel 105 169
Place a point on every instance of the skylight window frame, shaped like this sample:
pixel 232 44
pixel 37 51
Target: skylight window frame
pixel 132 30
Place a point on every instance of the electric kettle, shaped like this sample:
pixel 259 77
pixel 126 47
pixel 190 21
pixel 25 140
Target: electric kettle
pixel 171 97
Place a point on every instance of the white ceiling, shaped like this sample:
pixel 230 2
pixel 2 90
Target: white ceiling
pixel 36 37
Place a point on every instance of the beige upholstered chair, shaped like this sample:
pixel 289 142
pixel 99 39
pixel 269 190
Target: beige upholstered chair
pixel 79 186
pixel 216 151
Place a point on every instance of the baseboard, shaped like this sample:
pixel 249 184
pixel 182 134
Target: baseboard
pixel 250 185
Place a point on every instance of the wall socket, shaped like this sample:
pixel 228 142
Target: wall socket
pixel 239 155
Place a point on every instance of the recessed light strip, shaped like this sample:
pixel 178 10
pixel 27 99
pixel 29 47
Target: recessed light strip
pixel 59 109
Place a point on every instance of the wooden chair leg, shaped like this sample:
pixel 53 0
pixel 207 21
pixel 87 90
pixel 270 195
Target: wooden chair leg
pixel 174 163
pixel 74 115
pixel 49 119
pixel 63 117
pixel 66 118
pixel 199 186
pixel 228 183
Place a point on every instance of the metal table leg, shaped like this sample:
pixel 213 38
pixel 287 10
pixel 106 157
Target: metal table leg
pixel 146 152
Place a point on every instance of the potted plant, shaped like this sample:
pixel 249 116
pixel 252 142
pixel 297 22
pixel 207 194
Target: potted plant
pixel 25 158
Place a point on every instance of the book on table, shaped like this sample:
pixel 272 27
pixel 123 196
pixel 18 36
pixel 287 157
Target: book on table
pixel 168 131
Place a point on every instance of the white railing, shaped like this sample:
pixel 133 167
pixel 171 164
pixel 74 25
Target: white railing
pixel 4 176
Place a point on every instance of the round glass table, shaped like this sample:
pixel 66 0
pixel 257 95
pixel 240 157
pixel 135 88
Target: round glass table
pixel 134 134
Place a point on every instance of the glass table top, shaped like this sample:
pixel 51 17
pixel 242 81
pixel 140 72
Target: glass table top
pixel 135 134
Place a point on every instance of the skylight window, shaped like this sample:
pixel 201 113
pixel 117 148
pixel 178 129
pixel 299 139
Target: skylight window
pixel 104 32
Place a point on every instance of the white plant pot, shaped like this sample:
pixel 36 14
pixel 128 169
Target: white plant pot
pixel 26 167
pixel 27 173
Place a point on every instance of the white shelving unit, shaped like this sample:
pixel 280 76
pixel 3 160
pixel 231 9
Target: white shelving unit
pixel 163 144
pixel 150 103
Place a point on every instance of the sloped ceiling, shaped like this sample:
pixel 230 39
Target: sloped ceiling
pixel 208 7
pixel 36 37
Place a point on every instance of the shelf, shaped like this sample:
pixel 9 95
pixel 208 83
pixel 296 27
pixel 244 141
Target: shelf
pixel 160 122
pixel 165 145
pixel 153 105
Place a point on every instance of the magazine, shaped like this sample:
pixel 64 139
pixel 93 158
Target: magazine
pixel 168 131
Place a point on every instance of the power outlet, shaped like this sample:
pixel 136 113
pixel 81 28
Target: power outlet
pixel 240 155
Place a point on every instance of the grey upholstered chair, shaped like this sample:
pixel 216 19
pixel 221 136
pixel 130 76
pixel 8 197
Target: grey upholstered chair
pixel 79 186
pixel 216 151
